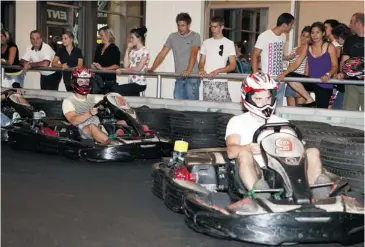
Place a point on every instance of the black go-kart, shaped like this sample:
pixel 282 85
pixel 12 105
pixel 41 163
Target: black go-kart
pixel 205 187
pixel 31 130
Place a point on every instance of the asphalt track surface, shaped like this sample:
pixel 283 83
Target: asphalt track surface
pixel 51 201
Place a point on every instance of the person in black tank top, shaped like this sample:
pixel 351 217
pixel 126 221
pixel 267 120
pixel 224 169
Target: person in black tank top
pixel 10 56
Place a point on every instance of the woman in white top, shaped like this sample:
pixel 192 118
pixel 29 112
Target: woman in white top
pixel 136 58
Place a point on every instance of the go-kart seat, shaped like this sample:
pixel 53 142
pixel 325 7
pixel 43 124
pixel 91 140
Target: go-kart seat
pixel 63 128
pixel 207 156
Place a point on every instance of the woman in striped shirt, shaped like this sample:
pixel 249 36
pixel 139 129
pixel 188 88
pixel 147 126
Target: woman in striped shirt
pixel 292 88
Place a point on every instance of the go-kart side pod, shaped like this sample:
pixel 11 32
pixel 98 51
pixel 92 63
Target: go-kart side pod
pixel 337 219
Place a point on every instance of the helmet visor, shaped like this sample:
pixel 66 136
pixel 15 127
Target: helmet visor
pixel 83 82
pixel 261 98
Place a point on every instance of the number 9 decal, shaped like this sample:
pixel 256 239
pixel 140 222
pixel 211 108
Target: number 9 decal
pixel 283 145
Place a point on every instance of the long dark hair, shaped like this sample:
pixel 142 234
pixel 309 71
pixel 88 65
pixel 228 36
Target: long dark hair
pixel 321 27
pixel 9 37
pixel 140 33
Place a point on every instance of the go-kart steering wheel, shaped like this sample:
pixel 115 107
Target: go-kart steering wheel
pixel 101 102
pixel 97 105
pixel 277 127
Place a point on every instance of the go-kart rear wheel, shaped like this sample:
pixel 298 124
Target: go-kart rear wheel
pixel 158 181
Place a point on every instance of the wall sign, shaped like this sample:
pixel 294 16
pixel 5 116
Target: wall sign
pixel 58 14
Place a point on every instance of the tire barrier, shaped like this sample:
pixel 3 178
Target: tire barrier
pixel 342 148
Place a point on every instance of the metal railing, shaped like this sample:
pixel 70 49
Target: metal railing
pixel 159 75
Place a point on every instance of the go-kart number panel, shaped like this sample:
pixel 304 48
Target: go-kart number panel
pixel 283 145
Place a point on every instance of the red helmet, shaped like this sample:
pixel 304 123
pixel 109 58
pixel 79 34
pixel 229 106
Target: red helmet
pixel 354 67
pixel 255 83
pixel 81 80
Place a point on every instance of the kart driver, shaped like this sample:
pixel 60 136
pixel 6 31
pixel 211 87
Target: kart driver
pixel 259 97
pixel 79 108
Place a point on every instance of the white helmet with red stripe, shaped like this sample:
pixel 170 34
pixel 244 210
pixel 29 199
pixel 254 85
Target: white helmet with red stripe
pixel 255 83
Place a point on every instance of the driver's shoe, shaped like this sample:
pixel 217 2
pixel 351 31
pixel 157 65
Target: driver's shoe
pixel 321 192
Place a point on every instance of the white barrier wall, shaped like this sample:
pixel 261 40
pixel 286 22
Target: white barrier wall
pixel 350 119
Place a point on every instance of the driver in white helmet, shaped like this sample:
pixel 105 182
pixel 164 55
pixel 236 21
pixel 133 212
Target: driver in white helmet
pixel 79 108
pixel 259 98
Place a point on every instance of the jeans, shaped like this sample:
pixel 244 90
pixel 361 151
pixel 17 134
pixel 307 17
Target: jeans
pixel 338 103
pixel 280 94
pixel 187 88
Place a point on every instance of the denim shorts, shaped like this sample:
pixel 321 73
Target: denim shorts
pixel 289 91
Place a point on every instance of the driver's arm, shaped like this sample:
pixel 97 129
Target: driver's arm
pixel 233 146
pixel 71 116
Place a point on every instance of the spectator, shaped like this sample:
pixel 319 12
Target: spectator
pixel 107 55
pixel 341 32
pixel 322 63
pixel 293 87
pixel 67 57
pixel 10 56
pixel 339 89
pixel 185 46
pixel 136 58
pixel 353 47
pixel 329 25
pixel 40 54
pixel 242 65
pixel 269 46
pixel 214 55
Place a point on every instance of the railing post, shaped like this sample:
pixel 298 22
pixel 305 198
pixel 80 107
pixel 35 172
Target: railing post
pixel 158 89
pixel 2 75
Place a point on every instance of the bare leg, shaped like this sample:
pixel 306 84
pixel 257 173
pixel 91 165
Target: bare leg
pixel 247 169
pixel 95 133
pixel 290 101
pixel 314 169
pixel 315 174
pixel 299 88
pixel 300 100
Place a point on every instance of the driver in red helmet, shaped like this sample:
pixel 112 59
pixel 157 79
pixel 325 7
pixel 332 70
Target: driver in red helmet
pixel 259 98
pixel 79 108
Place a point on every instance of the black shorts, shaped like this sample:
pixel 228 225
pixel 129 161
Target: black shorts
pixel 323 95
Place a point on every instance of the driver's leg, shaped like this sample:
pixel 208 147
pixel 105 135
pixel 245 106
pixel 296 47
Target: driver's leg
pixel 247 169
pixel 315 174
pixel 314 168
pixel 96 133
pixel 251 175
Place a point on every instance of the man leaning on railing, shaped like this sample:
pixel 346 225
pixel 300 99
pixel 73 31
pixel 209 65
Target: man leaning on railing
pixel 40 54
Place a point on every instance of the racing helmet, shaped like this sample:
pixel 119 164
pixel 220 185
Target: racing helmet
pixel 354 67
pixel 80 82
pixel 255 83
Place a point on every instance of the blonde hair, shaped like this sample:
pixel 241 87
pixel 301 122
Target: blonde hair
pixel 109 33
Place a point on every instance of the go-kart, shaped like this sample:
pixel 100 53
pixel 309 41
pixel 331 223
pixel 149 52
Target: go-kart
pixel 11 105
pixel 34 131
pixel 204 187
